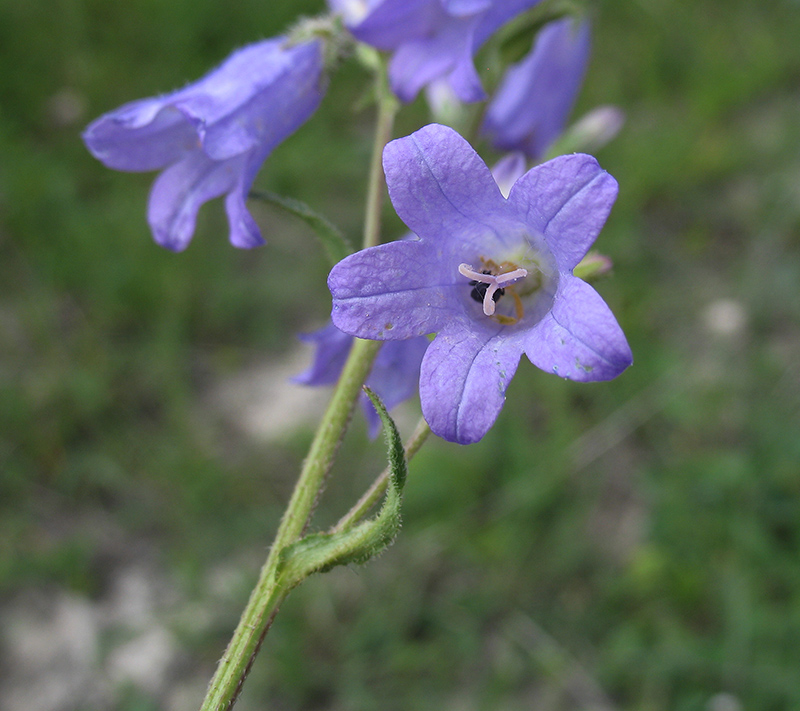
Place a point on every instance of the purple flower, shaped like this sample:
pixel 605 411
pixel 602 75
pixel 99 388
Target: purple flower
pixel 211 137
pixel 491 276
pixel 430 39
pixel 394 376
pixel 531 107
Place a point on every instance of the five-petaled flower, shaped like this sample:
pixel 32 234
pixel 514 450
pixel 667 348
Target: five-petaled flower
pixel 394 376
pixel 490 275
pixel 430 39
pixel 211 137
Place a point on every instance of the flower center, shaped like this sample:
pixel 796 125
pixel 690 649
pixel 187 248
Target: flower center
pixel 479 289
pixel 490 284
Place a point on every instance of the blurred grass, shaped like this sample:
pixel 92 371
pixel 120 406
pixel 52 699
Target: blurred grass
pixel 639 537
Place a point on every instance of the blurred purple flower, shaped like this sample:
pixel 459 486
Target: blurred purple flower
pixel 535 98
pixel 394 376
pixel 430 39
pixel 211 137
pixel 508 170
pixel 491 276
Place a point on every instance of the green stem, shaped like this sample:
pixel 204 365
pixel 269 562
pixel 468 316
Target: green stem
pixel 269 593
pixel 378 488
pixel 387 110
pixel 326 442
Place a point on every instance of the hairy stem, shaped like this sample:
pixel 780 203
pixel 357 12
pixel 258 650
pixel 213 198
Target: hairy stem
pixel 268 593
pixel 387 110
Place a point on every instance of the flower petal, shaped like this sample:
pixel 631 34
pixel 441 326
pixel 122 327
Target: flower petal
pixel 419 62
pixel 508 170
pixel 256 97
pixel 259 96
pixel 178 193
pixel 464 79
pixel 579 339
pixel 431 38
pixel 463 381
pixel 466 7
pixel 332 347
pixel 568 199
pixel 140 136
pixel 437 182
pixel 446 52
pixel 244 231
pixel 395 374
pixel 390 23
pixel 388 293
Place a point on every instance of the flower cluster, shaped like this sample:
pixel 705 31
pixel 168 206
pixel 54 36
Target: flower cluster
pixel 489 265
pixel 490 276
pixel 491 269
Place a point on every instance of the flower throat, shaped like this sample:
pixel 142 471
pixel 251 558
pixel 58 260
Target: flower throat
pixel 491 283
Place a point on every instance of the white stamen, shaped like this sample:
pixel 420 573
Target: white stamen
pixel 488 299
pixel 494 282
pixel 467 271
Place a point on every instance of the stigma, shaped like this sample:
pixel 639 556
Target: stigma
pixel 495 283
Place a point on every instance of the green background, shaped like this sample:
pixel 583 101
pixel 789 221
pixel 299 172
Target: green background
pixel 627 545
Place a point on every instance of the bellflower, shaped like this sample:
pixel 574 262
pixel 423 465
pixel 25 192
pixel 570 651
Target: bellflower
pixel 531 106
pixel 394 376
pixel 491 276
pixel 429 39
pixel 211 137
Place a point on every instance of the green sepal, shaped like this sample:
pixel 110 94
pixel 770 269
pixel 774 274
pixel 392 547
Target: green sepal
pixel 319 552
pixel 514 39
pixel 330 236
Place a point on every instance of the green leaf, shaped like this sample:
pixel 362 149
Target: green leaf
pixel 330 236
pixel 319 552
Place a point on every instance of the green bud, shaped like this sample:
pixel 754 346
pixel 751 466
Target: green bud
pixel 593 266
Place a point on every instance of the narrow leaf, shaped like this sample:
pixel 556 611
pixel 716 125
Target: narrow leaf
pixel 319 552
pixel 330 236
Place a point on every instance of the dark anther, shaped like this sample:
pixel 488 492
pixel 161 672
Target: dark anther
pixel 479 289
